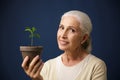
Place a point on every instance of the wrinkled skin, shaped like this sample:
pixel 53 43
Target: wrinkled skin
pixel 34 68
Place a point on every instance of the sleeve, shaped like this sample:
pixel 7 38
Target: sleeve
pixel 48 70
pixel 99 71
pixel 44 72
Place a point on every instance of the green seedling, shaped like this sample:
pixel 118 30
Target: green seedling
pixel 32 31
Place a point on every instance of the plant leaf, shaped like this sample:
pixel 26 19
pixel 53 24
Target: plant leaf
pixel 29 30
pixel 36 35
pixel 33 29
pixel 30 36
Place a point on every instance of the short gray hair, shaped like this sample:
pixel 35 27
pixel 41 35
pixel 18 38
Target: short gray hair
pixel 85 26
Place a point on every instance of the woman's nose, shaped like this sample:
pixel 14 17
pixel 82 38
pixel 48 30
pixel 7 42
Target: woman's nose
pixel 64 34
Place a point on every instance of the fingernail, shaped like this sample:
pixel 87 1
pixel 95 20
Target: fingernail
pixel 37 56
pixel 26 57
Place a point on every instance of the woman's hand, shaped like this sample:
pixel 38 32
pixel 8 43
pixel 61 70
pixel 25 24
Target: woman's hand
pixel 34 68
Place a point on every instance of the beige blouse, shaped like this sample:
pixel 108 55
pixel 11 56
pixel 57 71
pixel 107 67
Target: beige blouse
pixel 92 68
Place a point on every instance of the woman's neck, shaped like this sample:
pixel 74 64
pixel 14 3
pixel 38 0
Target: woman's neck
pixel 70 58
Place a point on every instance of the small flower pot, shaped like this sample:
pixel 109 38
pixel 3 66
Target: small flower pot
pixel 31 51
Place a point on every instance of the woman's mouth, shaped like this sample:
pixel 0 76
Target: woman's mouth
pixel 62 42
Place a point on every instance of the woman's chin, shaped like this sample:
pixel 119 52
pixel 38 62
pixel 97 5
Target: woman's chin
pixel 62 48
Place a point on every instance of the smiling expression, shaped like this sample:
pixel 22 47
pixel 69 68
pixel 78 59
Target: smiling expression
pixel 69 35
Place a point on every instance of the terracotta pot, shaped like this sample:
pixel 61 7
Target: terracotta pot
pixel 31 51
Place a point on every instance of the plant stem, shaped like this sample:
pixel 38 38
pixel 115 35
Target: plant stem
pixel 32 39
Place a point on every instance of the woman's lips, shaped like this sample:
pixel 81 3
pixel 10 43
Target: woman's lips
pixel 62 42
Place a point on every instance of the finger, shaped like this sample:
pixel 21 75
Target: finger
pixel 37 74
pixel 36 67
pixel 40 68
pixel 33 63
pixel 24 63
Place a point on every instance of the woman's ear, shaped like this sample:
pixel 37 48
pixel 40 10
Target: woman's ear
pixel 84 38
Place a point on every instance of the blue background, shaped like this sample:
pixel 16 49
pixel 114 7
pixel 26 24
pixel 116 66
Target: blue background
pixel 15 15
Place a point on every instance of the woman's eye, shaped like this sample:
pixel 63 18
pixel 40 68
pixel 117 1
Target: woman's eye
pixel 61 27
pixel 72 30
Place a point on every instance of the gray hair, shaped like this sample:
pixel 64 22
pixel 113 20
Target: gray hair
pixel 85 26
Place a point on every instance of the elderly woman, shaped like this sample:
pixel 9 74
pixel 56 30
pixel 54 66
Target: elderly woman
pixel 77 62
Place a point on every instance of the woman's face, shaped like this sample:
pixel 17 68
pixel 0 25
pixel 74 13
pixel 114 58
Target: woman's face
pixel 69 34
